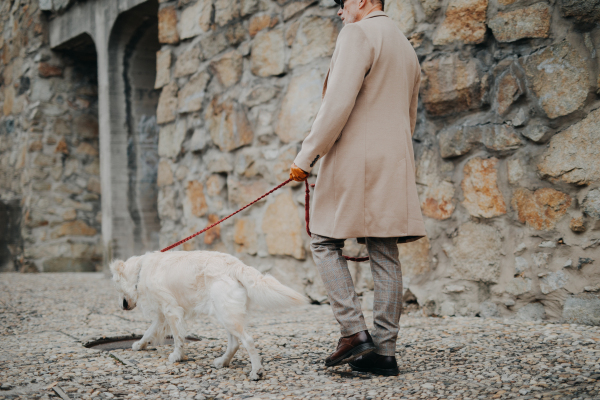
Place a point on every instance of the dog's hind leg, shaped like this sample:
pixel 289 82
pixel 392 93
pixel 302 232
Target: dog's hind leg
pixel 232 347
pixel 229 301
pixel 257 369
pixel 148 335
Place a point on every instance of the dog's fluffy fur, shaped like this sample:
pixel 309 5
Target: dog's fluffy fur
pixel 173 287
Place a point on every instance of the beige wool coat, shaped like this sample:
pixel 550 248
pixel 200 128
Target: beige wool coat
pixel 363 135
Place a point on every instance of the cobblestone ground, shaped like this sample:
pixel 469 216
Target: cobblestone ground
pixel 46 318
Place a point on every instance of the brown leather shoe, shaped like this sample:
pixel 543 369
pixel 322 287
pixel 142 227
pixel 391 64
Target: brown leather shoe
pixel 351 347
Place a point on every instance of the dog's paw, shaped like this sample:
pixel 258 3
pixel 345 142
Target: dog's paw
pixel 256 375
pixel 137 346
pixel 175 356
pixel 221 362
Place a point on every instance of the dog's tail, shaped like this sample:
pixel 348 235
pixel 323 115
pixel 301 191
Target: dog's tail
pixel 266 291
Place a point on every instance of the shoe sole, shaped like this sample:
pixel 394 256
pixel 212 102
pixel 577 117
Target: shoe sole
pixel 352 355
pixel 378 371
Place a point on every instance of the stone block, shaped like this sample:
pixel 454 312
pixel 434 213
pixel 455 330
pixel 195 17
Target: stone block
pixel 577 225
pixel 402 13
pixel 430 7
pixel 500 138
pixel 480 188
pixel 591 204
pixel 414 257
pixel 315 38
pixel 94 186
pixel 451 85
pixel 164 175
pixel 537 133
pixel 267 56
pixel 217 162
pixel 199 140
pixel 283 228
pixel 259 95
pixel 213 234
pixel 436 194
pixel 41 90
pixel 553 281
pixel 294 7
pixel 188 62
pixel 456 141
pixel 572 155
pixel 465 22
pixel 163 68
pixel 48 70
pixel 191 95
pixel 73 228
pixel 475 253
pixel 166 110
pixel 227 123
pixel 582 309
pixel 195 19
pixel 521 265
pixel 214 185
pixel 241 193
pixel 226 10
pixel 540 209
pixel 515 171
pixel 508 91
pixel 527 22
pixel 228 68
pixel 170 139
pixel 559 78
pixel 213 45
pixel 259 22
pixel 532 312
pixel 245 236
pixel 87 149
pixel 195 201
pixel 583 11
pixel 85 126
pixel 167 25
pixel 166 204
pixel 300 106
pixel 438 200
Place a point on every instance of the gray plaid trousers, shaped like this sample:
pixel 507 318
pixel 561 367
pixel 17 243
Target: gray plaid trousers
pixel 387 277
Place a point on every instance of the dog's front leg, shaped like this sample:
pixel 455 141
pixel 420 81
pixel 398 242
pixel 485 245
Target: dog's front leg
pixel 148 335
pixel 177 354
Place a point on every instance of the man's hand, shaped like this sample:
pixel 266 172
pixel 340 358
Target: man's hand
pixel 297 174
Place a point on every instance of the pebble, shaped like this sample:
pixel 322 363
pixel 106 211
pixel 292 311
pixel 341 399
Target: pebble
pixel 45 318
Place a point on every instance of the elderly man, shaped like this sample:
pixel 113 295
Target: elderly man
pixel 366 183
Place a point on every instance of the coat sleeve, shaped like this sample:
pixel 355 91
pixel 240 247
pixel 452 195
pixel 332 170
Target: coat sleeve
pixel 352 62
pixel 414 103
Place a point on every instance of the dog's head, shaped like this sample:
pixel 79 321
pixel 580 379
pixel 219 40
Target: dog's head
pixel 125 275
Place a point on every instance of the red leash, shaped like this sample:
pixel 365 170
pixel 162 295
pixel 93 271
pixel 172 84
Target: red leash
pixel 306 211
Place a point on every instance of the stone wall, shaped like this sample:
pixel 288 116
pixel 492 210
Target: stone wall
pixel 49 166
pixel 506 144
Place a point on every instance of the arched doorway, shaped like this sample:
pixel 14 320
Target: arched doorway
pixel 132 51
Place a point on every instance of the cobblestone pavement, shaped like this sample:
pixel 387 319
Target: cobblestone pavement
pixel 46 318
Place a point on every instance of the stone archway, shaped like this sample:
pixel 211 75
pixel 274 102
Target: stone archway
pixel 132 48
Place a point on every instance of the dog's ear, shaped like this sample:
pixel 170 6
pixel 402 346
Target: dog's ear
pixel 117 267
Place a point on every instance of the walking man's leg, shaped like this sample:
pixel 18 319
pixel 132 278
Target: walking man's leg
pixel 387 307
pixel 333 268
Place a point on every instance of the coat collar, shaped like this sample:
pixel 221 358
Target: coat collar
pixel 376 14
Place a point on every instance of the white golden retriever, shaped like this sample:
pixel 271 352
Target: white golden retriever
pixel 175 286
